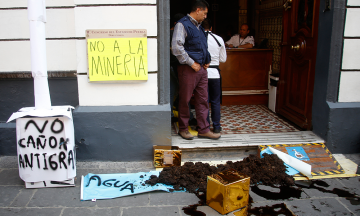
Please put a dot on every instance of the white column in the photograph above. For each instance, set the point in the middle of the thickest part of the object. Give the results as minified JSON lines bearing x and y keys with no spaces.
{"x":37,"y":19}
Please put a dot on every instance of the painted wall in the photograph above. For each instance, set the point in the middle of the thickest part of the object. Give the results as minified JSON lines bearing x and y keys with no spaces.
{"x":121,"y":117}
{"x":66,"y":44}
{"x":336,"y":107}
{"x":119,"y":16}
{"x":350,"y":68}
{"x":120,"y":133}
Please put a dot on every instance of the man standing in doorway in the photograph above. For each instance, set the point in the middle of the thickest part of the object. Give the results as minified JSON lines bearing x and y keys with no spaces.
{"x":242,"y":40}
{"x":216,"y":48}
{"x":189,"y":45}
{"x":174,"y":82}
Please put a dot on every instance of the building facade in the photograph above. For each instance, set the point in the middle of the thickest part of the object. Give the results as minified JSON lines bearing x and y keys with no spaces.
{"x":122,"y":121}
{"x":336,"y":107}
{"x":116,"y":121}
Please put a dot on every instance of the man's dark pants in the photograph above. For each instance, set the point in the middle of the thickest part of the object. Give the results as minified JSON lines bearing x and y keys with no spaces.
{"x":191,"y":82}
{"x":173,"y":87}
{"x":214,"y":99}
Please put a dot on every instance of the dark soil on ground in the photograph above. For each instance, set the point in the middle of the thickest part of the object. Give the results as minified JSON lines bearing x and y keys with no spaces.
{"x":228,"y":176}
{"x":269,"y":170}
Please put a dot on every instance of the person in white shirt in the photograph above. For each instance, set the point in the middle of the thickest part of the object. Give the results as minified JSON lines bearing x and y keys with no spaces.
{"x":242,"y":40}
{"x":216,"y":48}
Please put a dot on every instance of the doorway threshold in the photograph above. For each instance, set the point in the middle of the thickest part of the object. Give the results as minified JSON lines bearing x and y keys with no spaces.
{"x":247,"y":140}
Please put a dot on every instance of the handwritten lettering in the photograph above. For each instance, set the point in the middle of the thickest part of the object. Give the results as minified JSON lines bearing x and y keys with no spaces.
{"x":38,"y":146}
{"x":37,"y":127}
{"x":111,"y":183}
{"x":60,"y":162}
{"x":117,"y":58}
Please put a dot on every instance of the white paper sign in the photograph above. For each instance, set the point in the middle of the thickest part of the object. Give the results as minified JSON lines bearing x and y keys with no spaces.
{"x":45,"y":148}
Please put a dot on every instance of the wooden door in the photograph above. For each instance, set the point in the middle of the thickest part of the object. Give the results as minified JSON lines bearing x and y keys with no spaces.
{"x":296,"y":84}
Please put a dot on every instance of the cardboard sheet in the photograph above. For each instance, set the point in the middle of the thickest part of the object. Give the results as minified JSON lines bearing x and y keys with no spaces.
{"x":45,"y":144}
{"x":31,"y":111}
{"x":45,"y":149}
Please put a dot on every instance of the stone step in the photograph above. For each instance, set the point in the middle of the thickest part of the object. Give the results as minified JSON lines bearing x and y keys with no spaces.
{"x":217,"y":156}
{"x":235,"y":147}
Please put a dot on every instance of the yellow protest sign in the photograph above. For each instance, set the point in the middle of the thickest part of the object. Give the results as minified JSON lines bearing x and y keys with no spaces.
{"x":122,"y":56}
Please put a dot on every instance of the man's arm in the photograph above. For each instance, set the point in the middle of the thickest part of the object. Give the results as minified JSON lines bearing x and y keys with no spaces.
{"x":249,"y":43}
{"x":177,"y":45}
{"x":230,"y":43}
{"x":208,"y":57}
{"x":208,"y":60}
{"x":222,"y":56}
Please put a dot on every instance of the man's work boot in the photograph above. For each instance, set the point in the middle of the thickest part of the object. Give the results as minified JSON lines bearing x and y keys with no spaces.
{"x":209,"y":135}
{"x":186,"y":135}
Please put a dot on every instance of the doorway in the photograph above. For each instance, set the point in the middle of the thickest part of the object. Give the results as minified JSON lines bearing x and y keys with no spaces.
{"x":220,"y":12}
{"x":297,"y":75}
{"x":282,"y":28}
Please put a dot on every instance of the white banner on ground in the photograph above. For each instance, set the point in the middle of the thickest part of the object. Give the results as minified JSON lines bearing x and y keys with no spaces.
{"x":108,"y":186}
